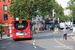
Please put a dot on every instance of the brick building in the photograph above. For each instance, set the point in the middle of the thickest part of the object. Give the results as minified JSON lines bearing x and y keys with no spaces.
{"x":4,"y":6}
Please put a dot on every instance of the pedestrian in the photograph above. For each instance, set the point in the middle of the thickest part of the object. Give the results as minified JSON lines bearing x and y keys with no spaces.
{"x":50,"y":27}
{"x":74,"y":30}
{"x":55,"y":29}
{"x":64,"y":33}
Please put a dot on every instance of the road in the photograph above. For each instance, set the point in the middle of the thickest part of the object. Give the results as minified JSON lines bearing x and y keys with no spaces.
{"x":44,"y":40}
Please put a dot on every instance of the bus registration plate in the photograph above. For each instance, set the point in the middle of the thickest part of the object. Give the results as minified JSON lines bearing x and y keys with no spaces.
{"x":22,"y":36}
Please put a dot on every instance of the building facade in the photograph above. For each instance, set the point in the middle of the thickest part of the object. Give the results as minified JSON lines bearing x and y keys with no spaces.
{"x":4,"y":6}
{"x":4,"y":16}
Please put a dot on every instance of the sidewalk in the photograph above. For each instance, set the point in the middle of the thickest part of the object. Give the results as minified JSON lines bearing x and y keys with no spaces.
{"x":5,"y":37}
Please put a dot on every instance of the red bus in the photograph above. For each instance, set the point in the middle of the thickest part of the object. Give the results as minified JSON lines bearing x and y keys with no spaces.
{"x":22,"y":29}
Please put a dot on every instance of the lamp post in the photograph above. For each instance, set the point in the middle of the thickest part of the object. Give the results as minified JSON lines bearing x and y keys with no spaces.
{"x":16,"y":18}
{"x":1,"y":28}
{"x":17,"y":8}
{"x":70,"y":11}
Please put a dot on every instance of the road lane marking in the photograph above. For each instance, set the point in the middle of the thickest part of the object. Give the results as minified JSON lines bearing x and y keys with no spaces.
{"x":35,"y":47}
{"x":62,"y":44}
{"x":40,"y":37}
{"x":34,"y":41}
{"x":34,"y":44}
{"x":73,"y":37}
{"x":66,"y":40}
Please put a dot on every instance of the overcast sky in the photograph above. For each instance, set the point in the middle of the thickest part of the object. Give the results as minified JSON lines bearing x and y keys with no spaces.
{"x":63,"y":3}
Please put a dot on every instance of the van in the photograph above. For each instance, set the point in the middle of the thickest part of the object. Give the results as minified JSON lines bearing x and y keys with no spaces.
{"x":62,"y":25}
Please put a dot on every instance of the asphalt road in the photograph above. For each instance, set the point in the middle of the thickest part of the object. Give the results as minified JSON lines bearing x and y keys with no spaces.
{"x":44,"y":40}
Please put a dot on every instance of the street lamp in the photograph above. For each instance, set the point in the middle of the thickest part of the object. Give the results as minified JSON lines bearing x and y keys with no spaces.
{"x":70,"y":11}
{"x":70,"y":14}
{"x":1,"y":27}
{"x":16,"y":18}
{"x":17,"y":8}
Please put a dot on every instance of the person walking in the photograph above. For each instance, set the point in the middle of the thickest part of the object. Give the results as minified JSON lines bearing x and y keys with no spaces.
{"x":50,"y":27}
{"x":74,"y":30}
{"x":64,"y":33}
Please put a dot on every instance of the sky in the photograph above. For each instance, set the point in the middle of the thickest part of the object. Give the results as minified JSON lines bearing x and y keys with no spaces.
{"x":63,"y":3}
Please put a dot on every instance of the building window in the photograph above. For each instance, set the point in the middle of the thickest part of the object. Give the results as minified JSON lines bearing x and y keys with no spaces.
{"x":5,"y":7}
{"x":3,"y":0}
{"x":5,"y":16}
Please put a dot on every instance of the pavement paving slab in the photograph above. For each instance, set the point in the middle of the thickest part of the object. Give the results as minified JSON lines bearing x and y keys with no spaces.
{"x":4,"y":37}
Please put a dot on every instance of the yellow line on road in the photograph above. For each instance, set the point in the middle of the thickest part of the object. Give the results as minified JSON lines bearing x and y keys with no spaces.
{"x":62,"y":44}
{"x":73,"y":37}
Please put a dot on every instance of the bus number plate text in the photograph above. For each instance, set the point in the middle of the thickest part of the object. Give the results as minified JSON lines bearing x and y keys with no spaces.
{"x":21,"y":36}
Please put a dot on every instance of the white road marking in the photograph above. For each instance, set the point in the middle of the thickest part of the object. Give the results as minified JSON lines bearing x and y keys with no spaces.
{"x":34,"y":40}
{"x":40,"y":37}
{"x":35,"y":47}
{"x":33,"y":43}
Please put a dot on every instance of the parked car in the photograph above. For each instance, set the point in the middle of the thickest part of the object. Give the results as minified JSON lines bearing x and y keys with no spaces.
{"x":62,"y":25}
{"x":71,"y":27}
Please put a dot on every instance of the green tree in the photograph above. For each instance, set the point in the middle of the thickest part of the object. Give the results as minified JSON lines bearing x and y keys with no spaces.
{"x":71,"y":6}
{"x":26,"y":9}
{"x":59,"y":12}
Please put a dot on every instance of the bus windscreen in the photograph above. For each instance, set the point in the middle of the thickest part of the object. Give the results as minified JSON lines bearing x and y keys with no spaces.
{"x":20,"y":25}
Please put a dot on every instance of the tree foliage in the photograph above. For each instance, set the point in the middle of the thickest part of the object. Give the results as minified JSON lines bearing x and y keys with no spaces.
{"x":71,"y":6}
{"x":59,"y":12}
{"x":28,"y":8}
